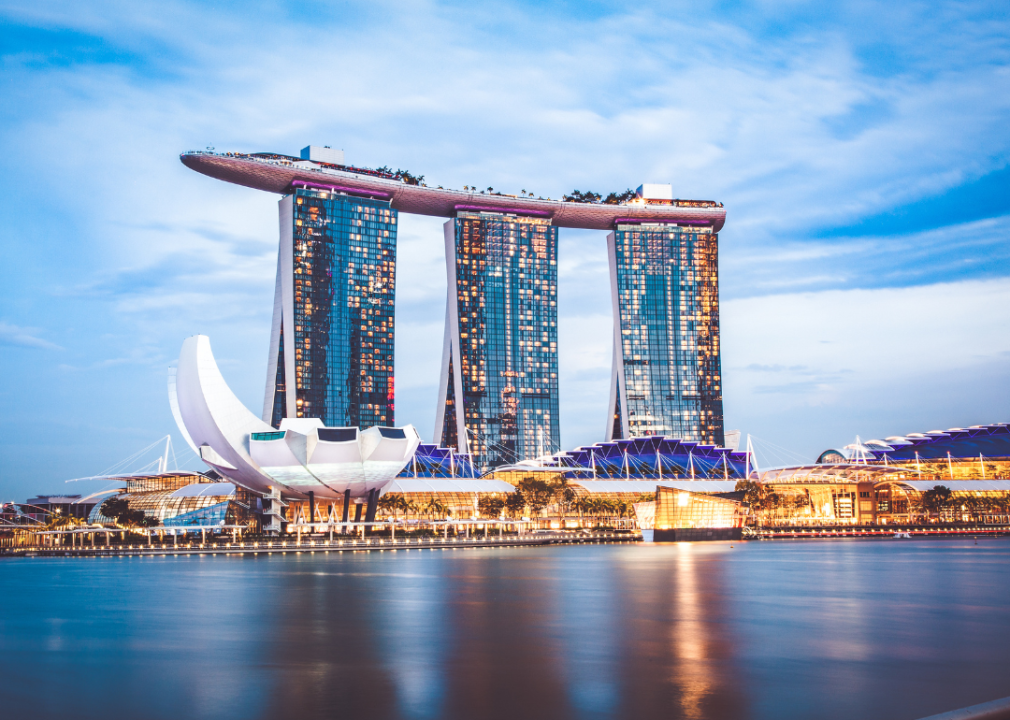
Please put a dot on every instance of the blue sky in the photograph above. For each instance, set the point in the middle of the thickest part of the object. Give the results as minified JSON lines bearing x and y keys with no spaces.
{"x":861,"y":151}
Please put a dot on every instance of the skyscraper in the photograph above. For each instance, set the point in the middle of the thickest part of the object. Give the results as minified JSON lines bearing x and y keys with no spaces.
{"x":666,"y":369}
{"x":332,"y":341}
{"x":499,"y":381}
{"x":331,"y":345}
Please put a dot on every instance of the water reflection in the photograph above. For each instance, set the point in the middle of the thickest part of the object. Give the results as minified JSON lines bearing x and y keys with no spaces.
{"x":506,"y":634}
{"x":765,"y":630}
{"x":680,"y":659}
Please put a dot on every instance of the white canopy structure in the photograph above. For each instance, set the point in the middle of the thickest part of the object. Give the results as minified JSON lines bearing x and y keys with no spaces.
{"x":303,"y":456}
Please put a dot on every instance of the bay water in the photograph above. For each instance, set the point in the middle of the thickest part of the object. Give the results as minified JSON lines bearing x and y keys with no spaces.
{"x":846,"y":629}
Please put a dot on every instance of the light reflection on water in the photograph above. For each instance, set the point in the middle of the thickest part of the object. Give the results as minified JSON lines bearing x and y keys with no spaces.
{"x":834,"y":629}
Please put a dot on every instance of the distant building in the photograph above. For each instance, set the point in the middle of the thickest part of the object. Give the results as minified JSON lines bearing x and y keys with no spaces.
{"x":499,"y":379}
{"x":979,"y":452}
{"x":667,"y":377}
{"x":76,"y":506}
{"x":331,"y":344}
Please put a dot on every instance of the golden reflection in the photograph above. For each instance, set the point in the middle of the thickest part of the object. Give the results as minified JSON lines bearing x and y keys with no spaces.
{"x":689,"y":635}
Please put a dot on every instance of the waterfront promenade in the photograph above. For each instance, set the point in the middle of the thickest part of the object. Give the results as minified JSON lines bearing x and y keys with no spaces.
{"x":876,"y":531}
{"x":268,"y":546}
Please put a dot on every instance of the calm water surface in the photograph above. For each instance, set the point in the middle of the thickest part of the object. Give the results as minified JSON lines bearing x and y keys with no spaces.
{"x":830,"y":629}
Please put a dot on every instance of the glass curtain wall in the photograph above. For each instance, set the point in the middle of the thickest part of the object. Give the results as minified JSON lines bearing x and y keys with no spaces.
{"x":667,"y":377}
{"x":342,"y":291}
{"x":502,"y":362}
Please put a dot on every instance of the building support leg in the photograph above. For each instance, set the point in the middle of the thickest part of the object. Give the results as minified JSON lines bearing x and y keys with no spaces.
{"x":373,"y":501}
{"x":312,"y":508}
{"x":347,"y":510}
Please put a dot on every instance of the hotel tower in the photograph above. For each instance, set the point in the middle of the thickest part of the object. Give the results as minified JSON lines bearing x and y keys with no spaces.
{"x":331,"y":344}
{"x":499,"y":381}
{"x":664,"y":283}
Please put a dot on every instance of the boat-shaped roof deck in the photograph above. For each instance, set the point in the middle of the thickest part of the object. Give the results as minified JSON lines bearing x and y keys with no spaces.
{"x":280,"y":173}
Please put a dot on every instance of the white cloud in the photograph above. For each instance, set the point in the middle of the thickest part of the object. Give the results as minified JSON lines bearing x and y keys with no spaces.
{"x":808,"y":369}
{"x":24,"y":336}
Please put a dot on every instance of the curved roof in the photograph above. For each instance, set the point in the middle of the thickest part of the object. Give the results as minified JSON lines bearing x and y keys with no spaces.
{"x":990,"y":441}
{"x":827,"y":473}
{"x":205,"y":490}
{"x":649,"y":486}
{"x":445,"y":485}
{"x":958,"y":485}
{"x":278,"y":175}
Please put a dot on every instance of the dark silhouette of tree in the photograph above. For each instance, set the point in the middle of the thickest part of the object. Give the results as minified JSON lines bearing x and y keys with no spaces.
{"x":589,"y":196}
{"x":618,"y":198}
{"x":937,"y":499}
{"x":118,"y":510}
{"x":536,"y":492}
{"x":515,"y":503}
{"x":490,"y":506}
{"x":582,"y":197}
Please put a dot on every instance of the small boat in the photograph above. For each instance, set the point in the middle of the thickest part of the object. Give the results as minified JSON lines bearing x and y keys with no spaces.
{"x":902,"y":536}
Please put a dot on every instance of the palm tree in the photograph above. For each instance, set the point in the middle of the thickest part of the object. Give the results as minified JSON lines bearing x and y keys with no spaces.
{"x":435,"y":507}
{"x":408,"y":506}
{"x":390,"y":503}
{"x":58,"y":521}
{"x":563,"y":494}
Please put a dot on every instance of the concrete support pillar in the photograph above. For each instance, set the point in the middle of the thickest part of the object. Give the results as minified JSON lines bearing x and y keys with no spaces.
{"x":312,"y":507}
{"x":373,"y":503}
{"x":347,"y":509}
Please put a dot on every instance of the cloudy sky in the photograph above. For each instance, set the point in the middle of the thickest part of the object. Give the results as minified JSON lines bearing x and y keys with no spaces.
{"x":860,"y":148}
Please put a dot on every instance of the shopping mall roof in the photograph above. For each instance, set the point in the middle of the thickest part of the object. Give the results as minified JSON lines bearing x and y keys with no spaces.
{"x":642,"y":487}
{"x":279,"y":173}
{"x":205,"y":490}
{"x":827,"y":473}
{"x":990,"y":441}
{"x":447,"y":485}
{"x":959,"y":485}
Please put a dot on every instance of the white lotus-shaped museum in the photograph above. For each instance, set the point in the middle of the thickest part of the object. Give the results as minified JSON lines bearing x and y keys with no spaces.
{"x":303,"y":456}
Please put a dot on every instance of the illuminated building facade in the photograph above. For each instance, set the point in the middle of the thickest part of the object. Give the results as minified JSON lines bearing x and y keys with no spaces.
{"x":666,"y":379}
{"x":684,"y":515}
{"x":331,"y":347}
{"x":499,"y":380}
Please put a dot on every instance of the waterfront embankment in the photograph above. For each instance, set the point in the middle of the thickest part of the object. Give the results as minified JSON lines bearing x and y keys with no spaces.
{"x":877,"y":531}
{"x":267,"y":546}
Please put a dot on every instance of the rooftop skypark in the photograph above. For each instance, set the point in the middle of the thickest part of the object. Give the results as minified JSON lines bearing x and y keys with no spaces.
{"x":407,"y":192}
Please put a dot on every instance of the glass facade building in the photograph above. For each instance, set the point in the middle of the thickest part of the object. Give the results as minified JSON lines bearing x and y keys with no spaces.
{"x":499,"y":382}
{"x":331,"y":351}
{"x":667,"y":377}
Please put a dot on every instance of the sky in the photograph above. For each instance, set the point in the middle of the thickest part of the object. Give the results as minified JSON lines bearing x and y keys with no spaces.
{"x":861,"y":150}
